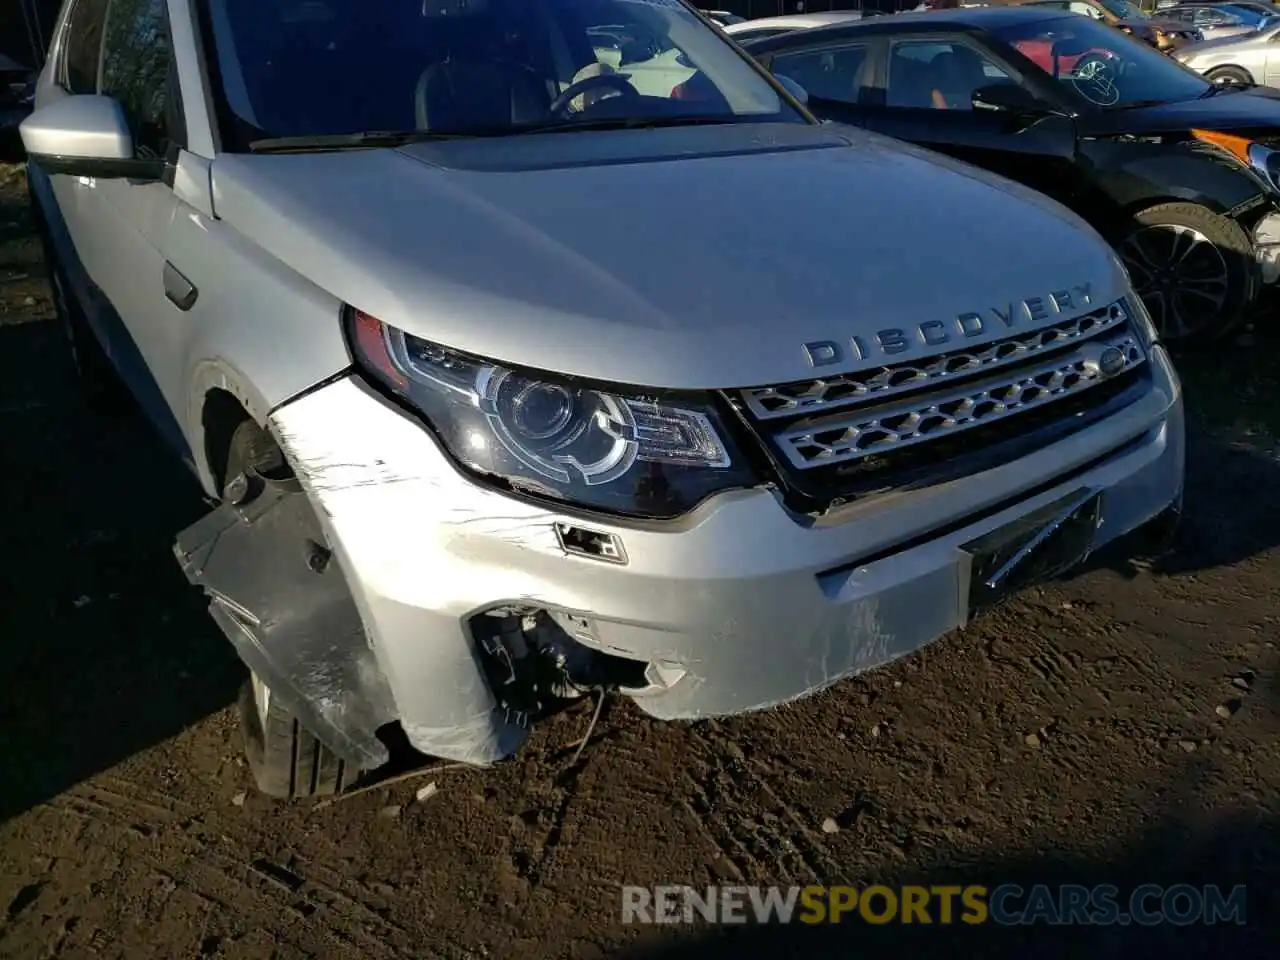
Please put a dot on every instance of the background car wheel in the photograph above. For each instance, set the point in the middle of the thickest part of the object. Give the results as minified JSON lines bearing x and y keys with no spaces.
{"x":1193,"y":269}
{"x":1229,"y":75}
{"x":286,"y":759}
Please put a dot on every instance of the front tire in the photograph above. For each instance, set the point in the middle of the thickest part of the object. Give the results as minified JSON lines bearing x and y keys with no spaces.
{"x":1229,"y":75}
{"x":288,"y":762}
{"x":1194,"y":270}
{"x":286,"y":759}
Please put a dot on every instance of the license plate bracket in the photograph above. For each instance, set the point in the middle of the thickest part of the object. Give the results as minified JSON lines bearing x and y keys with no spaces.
{"x":1032,"y":549}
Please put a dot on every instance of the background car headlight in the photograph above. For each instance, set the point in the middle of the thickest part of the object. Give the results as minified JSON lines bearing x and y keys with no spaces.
{"x":653,"y":456}
{"x":1261,"y":159}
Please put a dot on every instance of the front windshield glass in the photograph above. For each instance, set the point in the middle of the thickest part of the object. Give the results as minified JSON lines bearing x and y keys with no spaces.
{"x":1124,"y":9}
{"x":1242,"y":15}
{"x":1100,"y":65}
{"x":315,"y":68}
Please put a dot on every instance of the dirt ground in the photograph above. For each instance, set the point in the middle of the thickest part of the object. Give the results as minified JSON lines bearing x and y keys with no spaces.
{"x":1073,"y":736}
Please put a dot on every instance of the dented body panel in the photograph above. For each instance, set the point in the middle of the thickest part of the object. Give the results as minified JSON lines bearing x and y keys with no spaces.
{"x":737,"y":607}
{"x":289,"y":614}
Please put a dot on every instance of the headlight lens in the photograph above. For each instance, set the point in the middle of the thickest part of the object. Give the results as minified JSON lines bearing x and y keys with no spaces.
{"x":649,"y":456}
{"x":1266,"y":162}
{"x":1263,"y":160}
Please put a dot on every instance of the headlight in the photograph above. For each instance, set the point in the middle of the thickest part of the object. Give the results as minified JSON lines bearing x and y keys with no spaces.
{"x":1261,"y":159}
{"x":654,"y":456}
{"x":1142,"y":322}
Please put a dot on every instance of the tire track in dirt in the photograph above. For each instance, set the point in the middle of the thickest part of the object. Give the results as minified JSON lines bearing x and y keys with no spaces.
{"x":773,"y":839}
{"x":219,"y":870}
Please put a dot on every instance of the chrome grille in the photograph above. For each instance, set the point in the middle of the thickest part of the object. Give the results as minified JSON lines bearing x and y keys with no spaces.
{"x":997,"y":392}
{"x":817,"y":396}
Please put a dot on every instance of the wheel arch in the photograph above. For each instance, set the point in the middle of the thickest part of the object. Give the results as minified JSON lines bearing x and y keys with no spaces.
{"x":220,"y":402}
{"x":1210,"y":180}
{"x":1230,"y":66}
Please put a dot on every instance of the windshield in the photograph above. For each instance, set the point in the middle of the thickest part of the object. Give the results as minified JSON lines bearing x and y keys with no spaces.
{"x":1124,"y":10}
{"x":326,"y":68}
{"x":1242,"y":15}
{"x":1099,"y":64}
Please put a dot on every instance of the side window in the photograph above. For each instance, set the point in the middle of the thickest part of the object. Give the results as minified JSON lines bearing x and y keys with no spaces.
{"x":83,"y":46}
{"x":933,"y":75}
{"x":136,"y":70}
{"x":831,"y":74}
{"x":1211,"y":17}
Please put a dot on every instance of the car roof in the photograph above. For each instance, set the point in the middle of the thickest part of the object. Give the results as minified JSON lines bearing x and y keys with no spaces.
{"x":953,"y":20}
{"x":801,"y":20}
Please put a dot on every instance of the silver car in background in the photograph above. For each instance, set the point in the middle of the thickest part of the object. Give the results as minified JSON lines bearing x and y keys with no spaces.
{"x":1217,"y":21}
{"x":763,"y":27}
{"x":1251,"y":58}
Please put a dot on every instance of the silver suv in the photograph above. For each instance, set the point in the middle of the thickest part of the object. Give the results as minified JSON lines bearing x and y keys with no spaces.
{"x":517,"y":384}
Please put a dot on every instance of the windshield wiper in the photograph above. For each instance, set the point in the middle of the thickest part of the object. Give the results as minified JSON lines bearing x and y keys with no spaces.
{"x":364,"y":141}
{"x":398,"y":138}
{"x":621,"y":123}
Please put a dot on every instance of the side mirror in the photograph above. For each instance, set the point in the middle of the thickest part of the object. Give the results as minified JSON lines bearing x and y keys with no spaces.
{"x":85,"y":136}
{"x":793,"y":88}
{"x":1009,"y":98}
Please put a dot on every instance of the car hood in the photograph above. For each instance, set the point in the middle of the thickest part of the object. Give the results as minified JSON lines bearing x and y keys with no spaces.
{"x":691,"y":257}
{"x":1252,"y":108}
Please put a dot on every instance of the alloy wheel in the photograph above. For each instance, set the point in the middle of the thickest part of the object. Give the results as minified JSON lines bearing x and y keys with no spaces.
{"x":1181,"y":276}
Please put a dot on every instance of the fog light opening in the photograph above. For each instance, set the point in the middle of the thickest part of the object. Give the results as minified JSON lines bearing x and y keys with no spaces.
{"x":581,"y":542}
{"x":535,"y":668}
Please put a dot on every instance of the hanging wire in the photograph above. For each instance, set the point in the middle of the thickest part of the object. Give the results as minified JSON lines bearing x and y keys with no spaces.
{"x":591,"y":727}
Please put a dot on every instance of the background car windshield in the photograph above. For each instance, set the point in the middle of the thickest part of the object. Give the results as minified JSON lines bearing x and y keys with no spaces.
{"x":291,"y":68}
{"x":1243,"y":15}
{"x":1101,"y":65}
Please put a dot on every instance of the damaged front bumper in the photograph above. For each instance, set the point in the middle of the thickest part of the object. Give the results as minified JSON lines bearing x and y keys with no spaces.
{"x":1266,"y":247}
{"x":738,"y":606}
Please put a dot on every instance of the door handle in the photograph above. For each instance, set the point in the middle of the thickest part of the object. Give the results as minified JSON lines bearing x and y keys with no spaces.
{"x":182,"y":293}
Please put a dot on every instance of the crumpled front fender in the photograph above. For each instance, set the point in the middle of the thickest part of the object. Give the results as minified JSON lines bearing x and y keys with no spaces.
{"x":281,"y":598}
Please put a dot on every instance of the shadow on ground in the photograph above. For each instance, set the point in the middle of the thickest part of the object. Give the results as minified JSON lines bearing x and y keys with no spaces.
{"x":1232,"y":394}
{"x":107,"y":650}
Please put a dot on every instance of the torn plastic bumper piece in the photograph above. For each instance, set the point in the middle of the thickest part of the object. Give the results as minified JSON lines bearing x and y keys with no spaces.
{"x":282,"y":601}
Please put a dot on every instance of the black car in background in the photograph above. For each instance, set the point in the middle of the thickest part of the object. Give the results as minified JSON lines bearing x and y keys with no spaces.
{"x":1182,"y":175}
